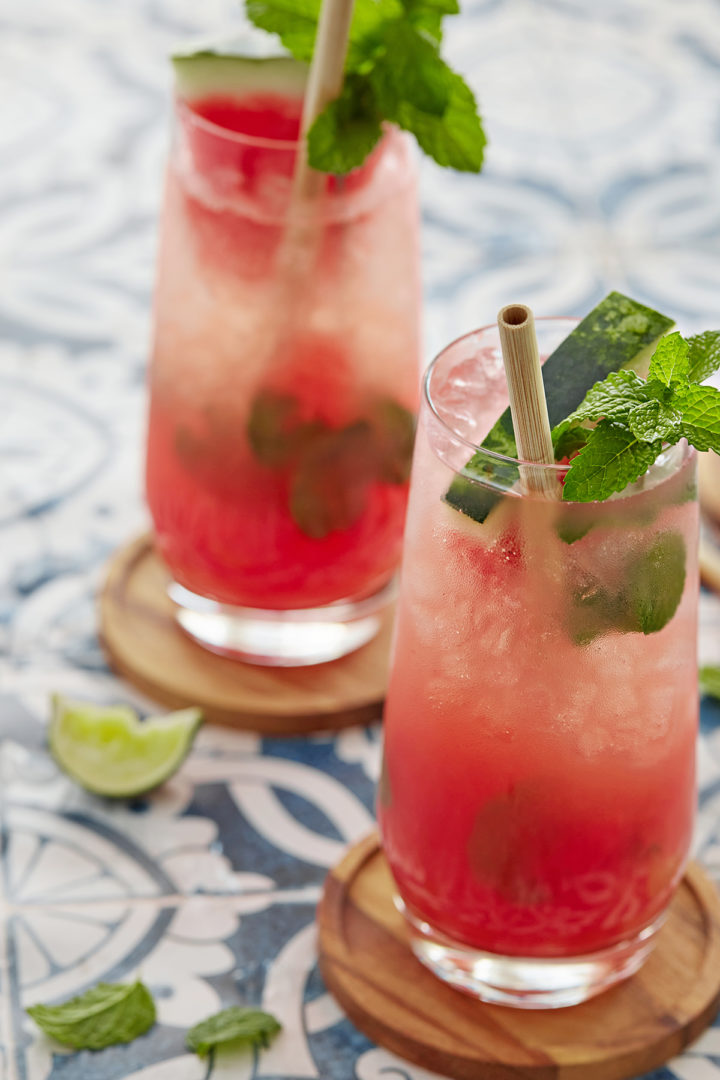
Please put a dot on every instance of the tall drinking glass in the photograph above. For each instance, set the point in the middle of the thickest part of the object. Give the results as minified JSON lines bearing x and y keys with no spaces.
{"x":537,"y":794}
{"x":284,"y":384}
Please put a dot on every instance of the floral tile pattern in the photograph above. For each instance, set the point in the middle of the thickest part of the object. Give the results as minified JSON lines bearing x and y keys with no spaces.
{"x":602,"y":172}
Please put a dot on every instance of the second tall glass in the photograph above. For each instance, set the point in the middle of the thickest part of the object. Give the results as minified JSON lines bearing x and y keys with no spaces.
{"x":537,"y":795}
{"x":284,"y":385}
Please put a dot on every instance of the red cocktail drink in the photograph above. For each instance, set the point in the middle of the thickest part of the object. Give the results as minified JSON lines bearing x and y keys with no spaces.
{"x":538,"y":790}
{"x":284,"y":377}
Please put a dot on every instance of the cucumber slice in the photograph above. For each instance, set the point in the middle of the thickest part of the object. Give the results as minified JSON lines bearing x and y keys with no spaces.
{"x":240,"y":69}
{"x":618,"y":333}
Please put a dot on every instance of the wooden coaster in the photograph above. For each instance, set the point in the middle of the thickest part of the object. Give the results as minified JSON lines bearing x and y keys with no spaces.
{"x":366,"y":961}
{"x":145,"y":645}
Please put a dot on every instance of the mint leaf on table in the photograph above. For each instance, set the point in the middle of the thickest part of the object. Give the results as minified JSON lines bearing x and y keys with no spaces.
{"x":704,"y":355}
{"x":103,"y":1016}
{"x":611,"y":459}
{"x":251,"y":1027}
{"x":710,"y":681}
{"x":394,"y":72}
{"x":701,"y":417}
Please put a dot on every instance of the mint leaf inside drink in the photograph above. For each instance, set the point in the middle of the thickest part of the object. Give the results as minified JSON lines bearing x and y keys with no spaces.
{"x":393,"y":72}
{"x":655,"y":583}
{"x":235,"y":1025}
{"x":329,"y":471}
{"x":103,"y":1016}
{"x":651,"y":587}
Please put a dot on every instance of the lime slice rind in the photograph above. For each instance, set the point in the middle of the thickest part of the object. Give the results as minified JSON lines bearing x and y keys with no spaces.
{"x":109,"y":751}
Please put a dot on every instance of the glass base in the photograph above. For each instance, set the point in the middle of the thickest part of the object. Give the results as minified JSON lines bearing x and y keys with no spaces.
{"x":532,"y":982}
{"x":293,"y":638}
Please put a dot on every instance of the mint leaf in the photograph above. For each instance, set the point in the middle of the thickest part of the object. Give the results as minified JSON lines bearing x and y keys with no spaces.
{"x":656,"y":579}
{"x":104,"y":1016}
{"x":410,"y":72}
{"x":568,"y":438}
{"x":427,"y":15}
{"x":700,"y":406}
{"x":710,"y":681}
{"x":237,"y":1025}
{"x":295,"y":22}
{"x":653,"y":421}
{"x":612,"y":458}
{"x":594,"y":610}
{"x":614,"y":397}
{"x":652,"y":587}
{"x":704,"y":355}
{"x":394,"y":433}
{"x":271,"y":426}
{"x":670,"y":363}
{"x":455,"y":140}
{"x":442,"y":7}
{"x":395,"y":45}
{"x":330,"y":488}
{"x":347,"y":130}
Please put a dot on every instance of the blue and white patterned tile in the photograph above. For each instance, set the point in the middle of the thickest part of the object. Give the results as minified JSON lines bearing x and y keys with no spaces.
{"x":602,"y":172}
{"x":238,"y":817}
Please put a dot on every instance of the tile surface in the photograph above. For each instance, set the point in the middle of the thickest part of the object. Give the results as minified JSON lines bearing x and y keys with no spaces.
{"x":603,"y":172}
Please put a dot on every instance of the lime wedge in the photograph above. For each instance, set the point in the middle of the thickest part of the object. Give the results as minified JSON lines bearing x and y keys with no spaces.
{"x":108,"y":750}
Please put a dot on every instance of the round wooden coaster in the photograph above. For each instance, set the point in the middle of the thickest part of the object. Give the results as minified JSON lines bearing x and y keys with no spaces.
{"x":145,"y":645}
{"x":367,"y":964}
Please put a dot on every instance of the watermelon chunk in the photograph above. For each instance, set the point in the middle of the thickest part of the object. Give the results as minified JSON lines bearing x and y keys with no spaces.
{"x":254,"y":88}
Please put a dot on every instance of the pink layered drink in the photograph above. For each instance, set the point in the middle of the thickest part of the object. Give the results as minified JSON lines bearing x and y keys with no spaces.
{"x":538,"y":783}
{"x":282,"y":402}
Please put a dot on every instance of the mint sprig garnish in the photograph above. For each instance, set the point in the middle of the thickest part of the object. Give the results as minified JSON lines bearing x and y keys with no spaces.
{"x":103,"y":1016}
{"x":237,"y":1025}
{"x":636,"y":419}
{"x":393,"y":72}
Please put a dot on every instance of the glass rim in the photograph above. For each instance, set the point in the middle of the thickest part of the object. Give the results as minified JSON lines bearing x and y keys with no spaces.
{"x":186,"y":112}
{"x":502,"y":459}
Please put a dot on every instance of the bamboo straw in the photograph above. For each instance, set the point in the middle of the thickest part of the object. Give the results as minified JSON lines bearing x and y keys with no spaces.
{"x":325,"y":83}
{"x":527,"y":399}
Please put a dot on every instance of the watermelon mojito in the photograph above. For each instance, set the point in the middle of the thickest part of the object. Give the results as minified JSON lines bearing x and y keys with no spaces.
{"x":284,"y":377}
{"x":537,"y":794}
